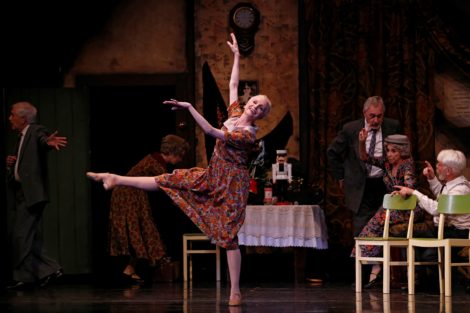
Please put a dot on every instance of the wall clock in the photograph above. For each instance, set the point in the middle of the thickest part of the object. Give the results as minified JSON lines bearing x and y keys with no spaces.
{"x":244,"y":19}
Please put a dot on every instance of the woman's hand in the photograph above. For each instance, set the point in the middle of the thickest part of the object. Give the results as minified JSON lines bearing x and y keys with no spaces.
{"x":177,"y":105}
{"x":233,"y":45}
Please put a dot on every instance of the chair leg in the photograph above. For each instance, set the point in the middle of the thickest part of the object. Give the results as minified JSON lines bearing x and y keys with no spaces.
{"x":448,"y":271}
{"x":217,"y":263}
{"x":358,"y":269}
{"x":190,"y":262}
{"x":440,"y":258}
{"x":185,"y":259}
{"x":386,"y":269}
{"x":411,"y":270}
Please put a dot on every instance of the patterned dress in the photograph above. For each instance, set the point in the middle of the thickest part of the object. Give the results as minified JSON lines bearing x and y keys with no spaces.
{"x":215,"y":198}
{"x":405,"y":177}
{"x":132,"y":230}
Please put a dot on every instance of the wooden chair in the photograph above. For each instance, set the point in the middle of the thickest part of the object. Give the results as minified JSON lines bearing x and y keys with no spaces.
{"x":447,"y":204}
{"x":188,"y":251}
{"x":386,"y":242}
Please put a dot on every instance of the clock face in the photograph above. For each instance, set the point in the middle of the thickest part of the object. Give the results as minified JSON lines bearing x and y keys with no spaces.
{"x":244,"y":17}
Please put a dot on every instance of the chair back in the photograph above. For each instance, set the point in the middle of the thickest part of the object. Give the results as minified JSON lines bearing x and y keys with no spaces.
{"x":451,"y":204}
{"x":396,"y":202}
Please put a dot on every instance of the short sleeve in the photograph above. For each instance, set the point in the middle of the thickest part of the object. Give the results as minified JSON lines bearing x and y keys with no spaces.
{"x":234,"y":110}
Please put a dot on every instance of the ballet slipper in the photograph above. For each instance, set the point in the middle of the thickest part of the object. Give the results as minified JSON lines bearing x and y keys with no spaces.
{"x":94,"y":176}
{"x":235,"y":299}
{"x":107,"y":179}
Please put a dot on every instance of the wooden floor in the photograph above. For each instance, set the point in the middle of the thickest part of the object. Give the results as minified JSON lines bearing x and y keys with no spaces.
{"x":207,"y":297}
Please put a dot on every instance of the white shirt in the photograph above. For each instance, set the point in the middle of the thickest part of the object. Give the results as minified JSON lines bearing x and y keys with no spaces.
{"x":23,"y":132}
{"x":457,"y":186}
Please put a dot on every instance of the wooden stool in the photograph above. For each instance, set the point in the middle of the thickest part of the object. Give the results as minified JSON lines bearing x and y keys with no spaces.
{"x":188,"y":252}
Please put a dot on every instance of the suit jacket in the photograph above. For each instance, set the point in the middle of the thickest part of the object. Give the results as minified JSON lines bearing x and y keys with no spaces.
{"x":345,"y":163}
{"x":32,"y":166}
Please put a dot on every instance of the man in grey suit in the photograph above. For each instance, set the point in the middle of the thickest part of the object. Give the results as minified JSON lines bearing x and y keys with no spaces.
{"x":27,"y":181}
{"x":362,"y":185}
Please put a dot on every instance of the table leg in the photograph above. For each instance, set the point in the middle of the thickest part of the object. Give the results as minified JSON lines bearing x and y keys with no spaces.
{"x":299,"y":264}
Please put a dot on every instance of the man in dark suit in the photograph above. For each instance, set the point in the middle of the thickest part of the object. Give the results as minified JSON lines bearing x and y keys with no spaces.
{"x":27,"y":181}
{"x":363,"y":186}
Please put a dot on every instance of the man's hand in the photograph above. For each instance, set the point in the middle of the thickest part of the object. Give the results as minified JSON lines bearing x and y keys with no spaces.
{"x":11,"y":159}
{"x":363,"y":135}
{"x":428,"y":171}
{"x":404,"y":192}
{"x":341,"y":184}
{"x":56,"y":141}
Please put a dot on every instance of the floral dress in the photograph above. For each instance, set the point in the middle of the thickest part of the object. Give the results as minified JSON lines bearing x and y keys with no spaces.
{"x":132,"y":230}
{"x":405,"y":177}
{"x":215,"y":198}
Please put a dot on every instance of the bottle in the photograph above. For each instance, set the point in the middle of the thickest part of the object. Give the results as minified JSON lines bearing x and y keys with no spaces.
{"x":268,"y":193}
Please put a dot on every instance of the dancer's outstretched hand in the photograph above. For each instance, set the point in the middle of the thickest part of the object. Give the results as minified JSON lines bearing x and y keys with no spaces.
{"x":108,"y":180}
{"x":177,"y":104}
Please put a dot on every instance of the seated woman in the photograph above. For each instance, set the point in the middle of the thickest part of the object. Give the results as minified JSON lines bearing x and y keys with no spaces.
{"x":398,"y":170}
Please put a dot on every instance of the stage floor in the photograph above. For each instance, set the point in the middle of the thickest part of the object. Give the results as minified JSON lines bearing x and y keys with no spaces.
{"x":212,"y":297}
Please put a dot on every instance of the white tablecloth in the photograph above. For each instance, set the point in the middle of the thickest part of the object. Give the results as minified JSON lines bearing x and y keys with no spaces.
{"x":284,"y":226}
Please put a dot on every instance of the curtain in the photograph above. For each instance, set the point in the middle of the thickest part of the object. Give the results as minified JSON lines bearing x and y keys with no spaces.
{"x":357,"y":49}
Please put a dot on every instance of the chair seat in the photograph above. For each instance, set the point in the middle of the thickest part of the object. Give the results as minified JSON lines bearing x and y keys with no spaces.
{"x":381,"y":239}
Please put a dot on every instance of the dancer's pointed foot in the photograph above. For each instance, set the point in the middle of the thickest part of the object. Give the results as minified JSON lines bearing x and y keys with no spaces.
{"x":108,"y":180}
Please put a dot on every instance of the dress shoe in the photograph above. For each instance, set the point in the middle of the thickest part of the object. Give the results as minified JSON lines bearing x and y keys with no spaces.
{"x":131,"y":279}
{"x":20,"y":285}
{"x":16,"y":285}
{"x":377,"y":282}
{"x":45,"y":281}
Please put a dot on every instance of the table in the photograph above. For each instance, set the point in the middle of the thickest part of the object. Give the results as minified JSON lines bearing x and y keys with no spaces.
{"x":284,"y":226}
{"x":300,"y":226}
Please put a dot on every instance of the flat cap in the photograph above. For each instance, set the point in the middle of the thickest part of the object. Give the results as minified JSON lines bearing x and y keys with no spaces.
{"x":397,"y":139}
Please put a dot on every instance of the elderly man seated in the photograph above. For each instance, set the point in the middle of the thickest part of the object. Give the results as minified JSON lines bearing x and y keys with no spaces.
{"x":449,"y":181}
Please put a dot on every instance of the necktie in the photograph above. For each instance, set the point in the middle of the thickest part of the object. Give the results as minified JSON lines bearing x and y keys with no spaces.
{"x":442,"y":188}
{"x":371,"y":148}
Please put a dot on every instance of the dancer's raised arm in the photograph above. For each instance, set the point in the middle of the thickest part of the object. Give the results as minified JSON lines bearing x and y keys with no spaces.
{"x":200,"y":120}
{"x":234,"y":77}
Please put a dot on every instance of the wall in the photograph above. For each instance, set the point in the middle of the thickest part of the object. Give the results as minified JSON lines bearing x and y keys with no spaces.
{"x":144,"y":37}
{"x":273,"y":63}
{"x":148,"y":37}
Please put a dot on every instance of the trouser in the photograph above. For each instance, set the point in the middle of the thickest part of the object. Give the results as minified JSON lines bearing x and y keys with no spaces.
{"x":29,"y":261}
{"x":371,"y":201}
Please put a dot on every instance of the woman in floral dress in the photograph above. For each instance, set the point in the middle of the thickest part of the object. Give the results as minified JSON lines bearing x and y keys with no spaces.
{"x":399,"y":170}
{"x":214,"y":198}
{"x":132,"y":230}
